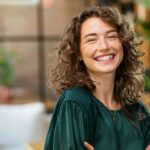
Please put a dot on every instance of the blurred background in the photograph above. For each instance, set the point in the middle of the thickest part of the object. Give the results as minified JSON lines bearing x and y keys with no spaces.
{"x":29,"y":35}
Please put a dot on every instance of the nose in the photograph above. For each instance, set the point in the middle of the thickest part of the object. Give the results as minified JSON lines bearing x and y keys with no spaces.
{"x":102,"y":44}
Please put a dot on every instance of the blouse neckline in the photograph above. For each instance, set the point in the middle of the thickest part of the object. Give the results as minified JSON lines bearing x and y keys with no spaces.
{"x":99,"y":102}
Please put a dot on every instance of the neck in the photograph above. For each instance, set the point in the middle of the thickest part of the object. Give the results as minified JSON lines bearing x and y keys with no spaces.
{"x":104,"y":91}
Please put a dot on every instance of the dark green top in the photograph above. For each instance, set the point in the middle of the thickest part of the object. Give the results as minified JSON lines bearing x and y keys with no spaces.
{"x":80,"y":117}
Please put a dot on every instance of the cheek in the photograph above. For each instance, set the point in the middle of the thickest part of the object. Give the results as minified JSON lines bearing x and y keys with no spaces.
{"x":86,"y":51}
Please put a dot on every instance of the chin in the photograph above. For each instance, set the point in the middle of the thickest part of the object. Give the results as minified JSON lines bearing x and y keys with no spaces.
{"x":108,"y":70}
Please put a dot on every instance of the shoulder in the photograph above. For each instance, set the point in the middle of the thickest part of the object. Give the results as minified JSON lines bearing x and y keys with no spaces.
{"x":143,"y":110}
{"x":77,"y":92}
{"x":139,"y":109}
{"x":78,"y":95}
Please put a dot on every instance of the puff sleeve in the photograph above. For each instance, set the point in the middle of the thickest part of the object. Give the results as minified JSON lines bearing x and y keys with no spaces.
{"x":68,"y":127}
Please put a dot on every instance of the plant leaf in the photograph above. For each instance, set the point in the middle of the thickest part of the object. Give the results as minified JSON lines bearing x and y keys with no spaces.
{"x":146,"y":3}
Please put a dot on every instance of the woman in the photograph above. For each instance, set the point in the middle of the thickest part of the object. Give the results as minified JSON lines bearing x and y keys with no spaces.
{"x":99,"y":77}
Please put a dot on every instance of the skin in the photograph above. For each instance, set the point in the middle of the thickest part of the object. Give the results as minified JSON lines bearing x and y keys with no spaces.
{"x":99,"y":41}
{"x":88,"y":146}
{"x":148,"y":147}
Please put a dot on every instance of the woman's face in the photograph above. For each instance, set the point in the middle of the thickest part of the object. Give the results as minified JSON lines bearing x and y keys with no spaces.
{"x":100,"y":47}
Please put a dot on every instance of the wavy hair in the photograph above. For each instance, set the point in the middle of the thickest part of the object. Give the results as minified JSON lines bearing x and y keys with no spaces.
{"x":71,"y":71}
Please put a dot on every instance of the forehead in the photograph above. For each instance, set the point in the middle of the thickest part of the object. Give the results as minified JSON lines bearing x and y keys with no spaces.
{"x":96,"y":24}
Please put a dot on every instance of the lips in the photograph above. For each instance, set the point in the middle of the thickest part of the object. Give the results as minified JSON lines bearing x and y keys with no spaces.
{"x":105,"y":58}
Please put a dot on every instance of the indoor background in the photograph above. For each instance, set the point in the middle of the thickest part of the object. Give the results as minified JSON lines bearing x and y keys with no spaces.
{"x":30,"y":31}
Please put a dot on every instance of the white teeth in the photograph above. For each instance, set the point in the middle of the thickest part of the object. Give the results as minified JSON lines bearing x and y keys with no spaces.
{"x":105,"y":58}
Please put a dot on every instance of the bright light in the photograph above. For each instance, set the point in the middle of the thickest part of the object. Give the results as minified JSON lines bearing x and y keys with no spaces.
{"x":19,"y":2}
{"x":141,"y":12}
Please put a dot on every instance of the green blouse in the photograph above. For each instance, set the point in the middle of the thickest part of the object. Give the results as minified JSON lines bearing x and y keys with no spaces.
{"x":80,"y":117}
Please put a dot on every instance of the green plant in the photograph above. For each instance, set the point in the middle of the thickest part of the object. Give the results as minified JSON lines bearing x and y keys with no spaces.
{"x":145,"y":25}
{"x":146,"y":3}
{"x":147,"y":81}
{"x":6,"y":67}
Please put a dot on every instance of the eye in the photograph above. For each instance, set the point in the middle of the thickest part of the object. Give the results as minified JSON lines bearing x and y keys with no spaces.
{"x":112,"y":36}
{"x":91,"y":40}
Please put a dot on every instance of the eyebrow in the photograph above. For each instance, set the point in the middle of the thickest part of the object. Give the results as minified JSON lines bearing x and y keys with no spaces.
{"x":95,"y":34}
{"x":90,"y":34}
{"x":113,"y":30}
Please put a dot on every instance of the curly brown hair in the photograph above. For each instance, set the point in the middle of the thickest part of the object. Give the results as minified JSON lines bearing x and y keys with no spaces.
{"x":71,"y":71}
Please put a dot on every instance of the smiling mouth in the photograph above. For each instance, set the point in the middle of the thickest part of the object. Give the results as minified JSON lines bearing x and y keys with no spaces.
{"x":105,"y":58}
